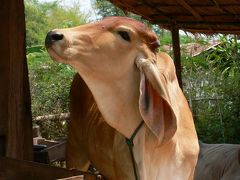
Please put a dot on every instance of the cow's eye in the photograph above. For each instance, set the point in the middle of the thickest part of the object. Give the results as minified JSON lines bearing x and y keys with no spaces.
{"x":124,"y":35}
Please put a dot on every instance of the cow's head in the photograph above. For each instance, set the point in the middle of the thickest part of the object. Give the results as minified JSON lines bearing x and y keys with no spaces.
{"x":111,"y":53}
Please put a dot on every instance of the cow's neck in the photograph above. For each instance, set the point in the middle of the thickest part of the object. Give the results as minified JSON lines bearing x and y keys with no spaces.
{"x":154,"y":161}
{"x":118,"y":103}
{"x":117,"y":100}
{"x":166,"y":161}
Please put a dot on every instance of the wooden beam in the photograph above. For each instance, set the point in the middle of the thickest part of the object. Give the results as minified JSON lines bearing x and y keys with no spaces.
{"x":190,"y":9}
{"x":147,"y":3}
{"x":207,"y":31}
{"x":13,"y":169}
{"x":15,"y":108}
{"x":139,"y":4}
{"x":52,"y":117}
{"x":171,"y":6}
{"x":73,"y":178}
{"x":177,"y":53}
{"x":200,"y":23}
{"x":209,"y":18}
{"x":217,"y":5}
{"x":224,"y":10}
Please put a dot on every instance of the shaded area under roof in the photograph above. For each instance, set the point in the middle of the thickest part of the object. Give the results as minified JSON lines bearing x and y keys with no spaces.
{"x":201,"y":16}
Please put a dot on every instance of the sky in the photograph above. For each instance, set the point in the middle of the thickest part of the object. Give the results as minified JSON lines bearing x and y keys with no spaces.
{"x":85,"y":6}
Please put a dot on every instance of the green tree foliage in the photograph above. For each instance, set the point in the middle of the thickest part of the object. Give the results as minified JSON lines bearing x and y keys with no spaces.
{"x":49,"y":81}
{"x":212,"y":87}
{"x":105,"y":8}
{"x":211,"y":80}
{"x":43,"y":17}
{"x":50,"y":84}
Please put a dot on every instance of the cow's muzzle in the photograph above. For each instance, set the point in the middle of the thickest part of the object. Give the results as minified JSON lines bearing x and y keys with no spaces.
{"x":52,"y":37}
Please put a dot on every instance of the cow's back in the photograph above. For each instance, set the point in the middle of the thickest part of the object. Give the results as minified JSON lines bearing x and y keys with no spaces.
{"x":218,"y":162}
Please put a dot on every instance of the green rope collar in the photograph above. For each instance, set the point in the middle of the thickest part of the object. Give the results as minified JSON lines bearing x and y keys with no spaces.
{"x":130,"y":146}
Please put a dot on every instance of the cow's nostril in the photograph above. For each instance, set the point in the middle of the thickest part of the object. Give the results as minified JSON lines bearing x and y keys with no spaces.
{"x":57,"y":36}
{"x":52,"y":37}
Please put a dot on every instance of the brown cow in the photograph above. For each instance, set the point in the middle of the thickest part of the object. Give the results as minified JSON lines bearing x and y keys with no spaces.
{"x":131,"y":83}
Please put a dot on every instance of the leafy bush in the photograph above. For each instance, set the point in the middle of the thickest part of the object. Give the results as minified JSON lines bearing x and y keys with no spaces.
{"x":211,"y":80}
{"x":42,"y":17}
{"x":49,"y":81}
{"x":212,"y":87}
{"x":50,"y":85}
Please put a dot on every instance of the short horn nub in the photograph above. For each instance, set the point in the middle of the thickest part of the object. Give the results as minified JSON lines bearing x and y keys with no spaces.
{"x":140,"y":62}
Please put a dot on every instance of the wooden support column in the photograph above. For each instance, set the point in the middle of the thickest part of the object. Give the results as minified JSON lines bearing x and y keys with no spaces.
{"x":177,"y":53}
{"x":4,"y":67}
{"x":15,"y":109}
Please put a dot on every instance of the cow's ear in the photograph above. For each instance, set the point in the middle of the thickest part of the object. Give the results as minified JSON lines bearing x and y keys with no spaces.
{"x":155,"y":104}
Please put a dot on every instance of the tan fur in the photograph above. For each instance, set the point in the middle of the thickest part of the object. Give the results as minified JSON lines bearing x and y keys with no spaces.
{"x":107,"y":108}
{"x":91,"y":139}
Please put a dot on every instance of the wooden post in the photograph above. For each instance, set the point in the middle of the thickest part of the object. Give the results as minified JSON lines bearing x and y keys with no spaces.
{"x":177,"y":53}
{"x":4,"y":66}
{"x":15,"y":109}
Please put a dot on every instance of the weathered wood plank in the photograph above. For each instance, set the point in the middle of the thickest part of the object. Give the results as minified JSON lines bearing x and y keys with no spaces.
{"x":73,"y":178}
{"x":51,"y":117}
{"x":4,"y":66}
{"x":12,"y":169}
{"x":15,"y":109}
{"x":57,"y":152}
{"x":19,"y":136}
{"x":43,"y":141}
{"x":177,"y":54}
{"x":190,"y":9}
